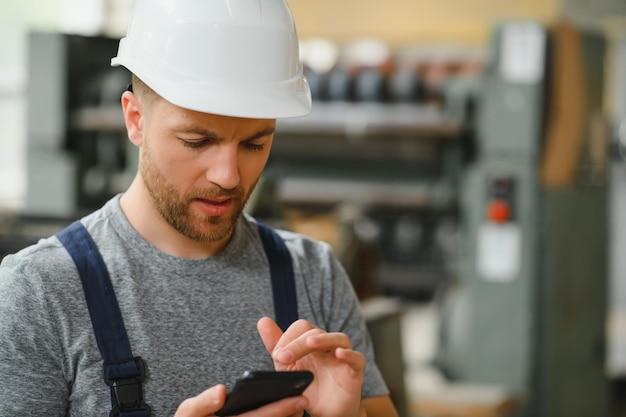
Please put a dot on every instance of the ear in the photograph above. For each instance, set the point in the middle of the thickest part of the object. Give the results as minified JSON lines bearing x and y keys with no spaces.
{"x":134,"y":118}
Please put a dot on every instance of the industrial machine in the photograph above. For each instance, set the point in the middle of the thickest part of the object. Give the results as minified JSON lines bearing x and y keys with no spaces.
{"x":390,"y":169}
{"x":616,"y":363}
{"x":77,"y":153}
{"x":387,"y":142}
{"x":528,"y":313}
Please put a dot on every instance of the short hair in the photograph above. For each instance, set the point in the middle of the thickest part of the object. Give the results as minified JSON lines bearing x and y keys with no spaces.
{"x":146,"y":94}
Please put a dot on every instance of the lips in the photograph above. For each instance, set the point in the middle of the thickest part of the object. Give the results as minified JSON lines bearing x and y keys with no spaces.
{"x":213,"y":207}
{"x":215,"y":201}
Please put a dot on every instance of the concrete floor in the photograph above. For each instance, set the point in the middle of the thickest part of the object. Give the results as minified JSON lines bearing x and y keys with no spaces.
{"x":419,"y":345}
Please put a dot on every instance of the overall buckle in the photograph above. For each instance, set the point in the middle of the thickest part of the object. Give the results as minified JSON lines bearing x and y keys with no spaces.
{"x":125,"y":377}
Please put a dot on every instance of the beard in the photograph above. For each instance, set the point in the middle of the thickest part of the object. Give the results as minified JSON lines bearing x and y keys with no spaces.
{"x":175,"y":208}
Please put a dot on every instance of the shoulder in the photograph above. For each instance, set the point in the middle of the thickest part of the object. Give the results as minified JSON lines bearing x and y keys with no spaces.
{"x":46,"y":256}
{"x":38,"y":286}
{"x":304,"y":250}
{"x":321,"y":280}
{"x":44,"y":268}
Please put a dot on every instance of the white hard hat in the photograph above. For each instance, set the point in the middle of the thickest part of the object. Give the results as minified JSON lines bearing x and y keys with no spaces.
{"x":229,"y":57}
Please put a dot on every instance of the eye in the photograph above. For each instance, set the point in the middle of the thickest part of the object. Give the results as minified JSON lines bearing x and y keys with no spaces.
{"x":254,"y":146}
{"x":194,"y":144}
{"x":195,"y":141}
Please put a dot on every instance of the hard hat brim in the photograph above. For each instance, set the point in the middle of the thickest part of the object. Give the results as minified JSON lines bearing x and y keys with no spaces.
{"x":281,"y":99}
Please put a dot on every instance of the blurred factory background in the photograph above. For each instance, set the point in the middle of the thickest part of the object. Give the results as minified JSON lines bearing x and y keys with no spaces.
{"x":464,"y":158}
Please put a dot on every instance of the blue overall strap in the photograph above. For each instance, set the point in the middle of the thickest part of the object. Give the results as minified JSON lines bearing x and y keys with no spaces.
{"x":283,"y":281}
{"x":122,"y":372}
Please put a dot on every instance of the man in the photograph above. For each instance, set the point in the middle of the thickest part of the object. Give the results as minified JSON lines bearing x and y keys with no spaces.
{"x":187,"y":266}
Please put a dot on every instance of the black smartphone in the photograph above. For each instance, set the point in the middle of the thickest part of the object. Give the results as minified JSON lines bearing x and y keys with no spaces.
{"x":257,"y":388}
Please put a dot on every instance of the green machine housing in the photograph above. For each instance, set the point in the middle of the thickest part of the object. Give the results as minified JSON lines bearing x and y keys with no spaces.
{"x":528,"y":311}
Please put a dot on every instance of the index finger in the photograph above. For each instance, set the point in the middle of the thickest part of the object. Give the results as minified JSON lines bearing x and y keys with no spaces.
{"x":270,"y":333}
{"x":314,"y":340}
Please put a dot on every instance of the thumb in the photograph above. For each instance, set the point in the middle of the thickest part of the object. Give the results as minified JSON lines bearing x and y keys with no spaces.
{"x":207,"y":403}
{"x":270,"y":333}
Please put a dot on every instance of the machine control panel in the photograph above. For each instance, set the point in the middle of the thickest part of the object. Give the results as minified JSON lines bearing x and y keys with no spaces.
{"x":500,"y":199}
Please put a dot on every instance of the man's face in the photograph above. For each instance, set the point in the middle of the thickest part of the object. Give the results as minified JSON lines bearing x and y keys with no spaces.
{"x":200,"y":169}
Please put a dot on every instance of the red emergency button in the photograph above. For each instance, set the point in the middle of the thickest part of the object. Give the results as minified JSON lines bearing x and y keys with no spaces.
{"x":498,"y":211}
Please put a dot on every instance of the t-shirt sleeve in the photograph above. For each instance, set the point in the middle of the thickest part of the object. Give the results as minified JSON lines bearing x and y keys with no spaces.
{"x":335,"y":307}
{"x":31,"y":370}
{"x":346,"y":317}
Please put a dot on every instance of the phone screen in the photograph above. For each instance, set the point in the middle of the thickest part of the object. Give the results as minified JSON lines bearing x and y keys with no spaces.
{"x":257,"y":388}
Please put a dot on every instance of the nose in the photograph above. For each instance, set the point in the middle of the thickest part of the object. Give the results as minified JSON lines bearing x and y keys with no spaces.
{"x":223,"y":167}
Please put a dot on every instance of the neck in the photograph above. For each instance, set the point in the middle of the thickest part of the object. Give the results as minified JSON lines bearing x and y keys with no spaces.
{"x":139,"y":209}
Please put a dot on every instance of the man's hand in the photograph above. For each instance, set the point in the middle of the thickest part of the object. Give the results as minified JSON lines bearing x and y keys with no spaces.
{"x":211,"y":400}
{"x":338,"y":370}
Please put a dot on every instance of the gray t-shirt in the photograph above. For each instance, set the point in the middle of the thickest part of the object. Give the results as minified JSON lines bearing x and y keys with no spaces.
{"x":192,"y":321}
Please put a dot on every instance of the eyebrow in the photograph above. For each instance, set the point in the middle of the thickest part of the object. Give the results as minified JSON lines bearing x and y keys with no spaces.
{"x":211,"y":135}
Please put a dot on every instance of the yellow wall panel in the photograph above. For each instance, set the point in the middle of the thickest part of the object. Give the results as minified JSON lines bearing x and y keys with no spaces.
{"x":401,"y":21}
